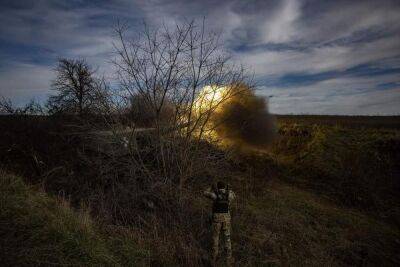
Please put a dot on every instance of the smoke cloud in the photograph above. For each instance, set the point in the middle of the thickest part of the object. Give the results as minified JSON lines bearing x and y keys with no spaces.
{"x":243,"y":119}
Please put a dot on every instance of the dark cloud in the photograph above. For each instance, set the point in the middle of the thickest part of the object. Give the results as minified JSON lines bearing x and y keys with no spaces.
{"x":243,"y":119}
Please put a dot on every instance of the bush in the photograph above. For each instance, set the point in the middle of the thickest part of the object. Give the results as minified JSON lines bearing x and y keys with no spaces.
{"x":144,"y":114}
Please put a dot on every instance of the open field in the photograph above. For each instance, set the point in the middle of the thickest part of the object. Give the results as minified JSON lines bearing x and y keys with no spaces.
{"x":358,"y":165}
{"x":324,"y":193}
{"x":383,"y":122}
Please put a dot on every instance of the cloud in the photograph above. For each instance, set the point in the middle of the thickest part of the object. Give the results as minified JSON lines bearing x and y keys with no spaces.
{"x":317,"y":42}
{"x":40,"y":32}
{"x":354,"y":95}
{"x":282,"y":26}
{"x":320,"y":58}
{"x":331,"y":22}
{"x":243,"y":120}
{"x":22,"y":82}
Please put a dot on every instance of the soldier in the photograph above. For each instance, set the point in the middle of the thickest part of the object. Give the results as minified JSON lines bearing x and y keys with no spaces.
{"x":221,"y":218}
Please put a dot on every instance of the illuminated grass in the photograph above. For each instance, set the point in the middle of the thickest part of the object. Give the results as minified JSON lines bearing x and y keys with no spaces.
{"x":36,"y":229}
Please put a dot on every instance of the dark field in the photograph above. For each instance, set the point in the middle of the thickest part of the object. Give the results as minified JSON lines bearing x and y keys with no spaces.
{"x":383,"y":122}
{"x":326,"y":192}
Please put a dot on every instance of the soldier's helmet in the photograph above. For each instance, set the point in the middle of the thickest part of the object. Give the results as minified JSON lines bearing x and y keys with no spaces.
{"x":221,"y":185}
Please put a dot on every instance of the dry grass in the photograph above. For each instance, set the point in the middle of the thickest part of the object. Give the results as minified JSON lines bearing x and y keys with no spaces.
{"x":39,"y":230}
{"x":282,"y":216}
{"x":357,"y":167}
{"x":288,"y":226}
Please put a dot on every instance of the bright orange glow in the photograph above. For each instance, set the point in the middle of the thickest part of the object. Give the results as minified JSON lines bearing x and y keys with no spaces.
{"x":209,"y":98}
{"x":208,"y":102}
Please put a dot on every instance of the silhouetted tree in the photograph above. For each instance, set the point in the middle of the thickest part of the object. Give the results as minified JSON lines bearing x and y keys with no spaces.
{"x":170,"y":67}
{"x":163,"y":72}
{"x":78,"y":91}
{"x":31,"y":108}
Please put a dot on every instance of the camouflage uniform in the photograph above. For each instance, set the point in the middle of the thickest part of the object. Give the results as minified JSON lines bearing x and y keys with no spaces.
{"x":221,"y":220}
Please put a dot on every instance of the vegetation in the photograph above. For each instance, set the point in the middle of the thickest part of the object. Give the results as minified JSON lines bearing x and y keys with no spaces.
{"x":288,"y":226}
{"x":31,"y":108}
{"x":359,"y":167}
{"x":325,"y":192}
{"x":39,"y":230}
{"x":358,"y":122}
{"x":298,"y":202}
{"x":78,"y":91}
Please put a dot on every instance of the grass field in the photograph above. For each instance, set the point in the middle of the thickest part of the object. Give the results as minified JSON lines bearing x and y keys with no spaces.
{"x":359,"y":166}
{"x":39,"y":230}
{"x":325,"y":193}
{"x":379,"y":122}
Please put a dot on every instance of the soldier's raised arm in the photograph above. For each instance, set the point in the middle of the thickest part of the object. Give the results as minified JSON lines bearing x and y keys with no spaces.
{"x":210,"y":194}
{"x":232,"y":195}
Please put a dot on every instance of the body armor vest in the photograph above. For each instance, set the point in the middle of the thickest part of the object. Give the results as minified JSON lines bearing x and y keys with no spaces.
{"x":221,"y":204}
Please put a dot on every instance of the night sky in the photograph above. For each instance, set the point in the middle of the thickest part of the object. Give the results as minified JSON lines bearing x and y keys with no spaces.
{"x":308,"y":56}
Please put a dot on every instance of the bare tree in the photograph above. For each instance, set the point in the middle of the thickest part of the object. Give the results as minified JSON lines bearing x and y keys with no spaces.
{"x":31,"y":108}
{"x":78,"y":91}
{"x":6,"y":106}
{"x":178,"y":76}
{"x":172,"y":66}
